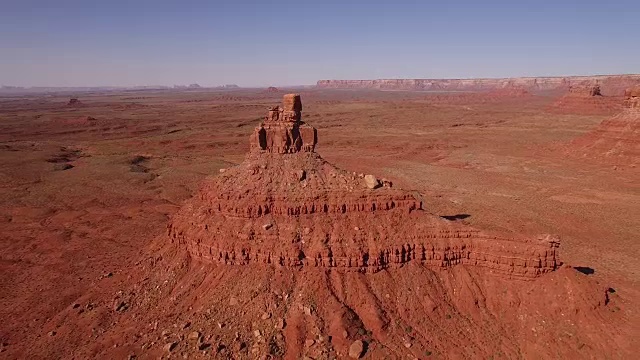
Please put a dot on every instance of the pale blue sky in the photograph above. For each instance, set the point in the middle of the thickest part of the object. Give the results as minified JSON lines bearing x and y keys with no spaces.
{"x":263,"y":43}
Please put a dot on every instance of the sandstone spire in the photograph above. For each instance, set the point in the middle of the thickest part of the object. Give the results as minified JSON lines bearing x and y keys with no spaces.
{"x":282,"y":131}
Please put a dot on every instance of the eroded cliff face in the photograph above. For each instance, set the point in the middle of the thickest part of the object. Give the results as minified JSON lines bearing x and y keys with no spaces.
{"x":610,"y":84}
{"x":305,"y":212}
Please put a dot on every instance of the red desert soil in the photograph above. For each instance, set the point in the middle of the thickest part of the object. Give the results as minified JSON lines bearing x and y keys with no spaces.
{"x":185,"y":224}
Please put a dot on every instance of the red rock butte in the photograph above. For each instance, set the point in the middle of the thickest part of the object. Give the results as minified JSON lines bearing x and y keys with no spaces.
{"x":586,"y":98}
{"x":585,"y":90}
{"x":286,"y":206}
{"x":611,"y":84}
{"x":74,"y":102}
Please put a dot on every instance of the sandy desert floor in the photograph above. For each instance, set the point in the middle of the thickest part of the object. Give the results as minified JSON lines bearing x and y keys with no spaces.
{"x":84,"y":188}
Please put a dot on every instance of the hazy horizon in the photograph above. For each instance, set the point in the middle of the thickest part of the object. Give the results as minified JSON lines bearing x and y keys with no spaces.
{"x":295,"y":43}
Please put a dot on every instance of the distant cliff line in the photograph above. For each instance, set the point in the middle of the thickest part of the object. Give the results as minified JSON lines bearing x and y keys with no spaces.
{"x":610,"y":84}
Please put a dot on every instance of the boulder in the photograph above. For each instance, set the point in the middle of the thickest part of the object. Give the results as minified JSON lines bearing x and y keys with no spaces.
{"x":371,"y":181}
{"x":356,"y":350}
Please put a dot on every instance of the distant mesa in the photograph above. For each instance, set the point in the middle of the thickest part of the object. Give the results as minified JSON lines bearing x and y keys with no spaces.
{"x":273,"y":89}
{"x":11,"y":88}
{"x":227,"y":87}
{"x":74,"y":102}
{"x":586,"y":99}
{"x":183,"y":87}
{"x":196,"y":86}
{"x":610,"y":84}
{"x":615,"y":141}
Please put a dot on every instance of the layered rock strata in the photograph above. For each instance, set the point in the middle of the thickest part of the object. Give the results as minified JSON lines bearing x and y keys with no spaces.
{"x":286,"y":206}
{"x":610,"y":84}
